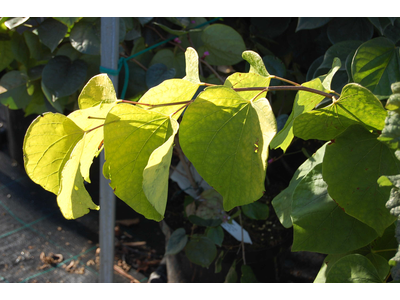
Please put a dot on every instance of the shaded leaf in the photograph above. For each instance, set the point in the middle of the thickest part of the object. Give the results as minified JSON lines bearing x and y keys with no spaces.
{"x":63,"y":77}
{"x":51,"y":33}
{"x":224,"y":44}
{"x":376,"y":65}
{"x":347,"y":29}
{"x":157,"y":73}
{"x":282,"y":203}
{"x":20,"y":49}
{"x":216,"y":234}
{"x":256,"y":210}
{"x":6,"y":56}
{"x":85,"y":36}
{"x":311,"y":22}
{"x":355,"y":187}
{"x":13,"y":92}
{"x":176,"y":242}
{"x":248,"y":275}
{"x":353,"y":268}
{"x":201,"y":251}
{"x":232,"y":276}
{"x":314,"y":213}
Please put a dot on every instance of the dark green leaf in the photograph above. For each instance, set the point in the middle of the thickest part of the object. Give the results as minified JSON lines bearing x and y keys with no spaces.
{"x":68,"y":21}
{"x":13,"y":93}
{"x":393,"y":31}
{"x":218,"y":262}
{"x":6,"y":56}
{"x":36,"y":50}
{"x":351,"y":167}
{"x":311,"y":22}
{"x":176,"y":242}
{"x":20,"y":49}
{"x":85,"y":36}
{"x":201,"y":251}
{"x":216,"y":234}
{"x":381,"y":265}
{"x":51,"y":33}
{"x":380,"y":23}
{"x":256,"y":210}
{"x":63,"y":77}
{"x":157,"y":73}
{"x":274,"y":66}
{"x":283,"y":202}
{"x":247,"y":275}
{"x":346,"y":29}
{"x":232,"y":277}
{"x":203,"y":222}
{"x":269,"y":27}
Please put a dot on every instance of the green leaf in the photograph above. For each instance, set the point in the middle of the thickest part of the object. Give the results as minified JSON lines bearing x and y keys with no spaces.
{"x":351,"y":167}
{"x":256,"y":63}
{"x":256,"y":210}
{"x":192,"y":66}
{"x":224,"y":44}
{"x":276,"y":67}
{"x":201,"y":251}
{"x":376,"y":65}
{"x":51,"y":33}
{"x":63,"y":77}
{"x":85,"y":36}
{"x":327,"y":79}
{"x":176,"y":242}
{"x":98,"y":90}
{"x":311,"y":22}
{"x":353,"y":268}
{"x":46,"y":154}
{"x":6,"y":56}
{"x":68,"y":21}
{"x":226,"y":138}
{"x":381,"y":265}
{"x":20,"y":49}
{"x":304,"y":101}
{"x":170,"y":91}
{"x":74,"y":201}
{"x":131,"y":134}
{"x":36,"y":49}
{"x":157,"y":73}
{"x":346,"y":29}
{"x":232,"y":276}
{"x":356,"y":105}
{"x":247,"y":275}
{"x":13,"y":92}
{"x":282,"y":203}
{"x":216,"y":234}
{"x":156,"y":172}
{"x":314,"y":212}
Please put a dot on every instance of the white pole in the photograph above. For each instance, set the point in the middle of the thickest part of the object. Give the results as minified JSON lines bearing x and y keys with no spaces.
{"x":109,"y":59}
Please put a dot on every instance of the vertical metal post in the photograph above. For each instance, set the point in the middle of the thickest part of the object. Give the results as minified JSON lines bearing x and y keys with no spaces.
{"x":109,"y":59}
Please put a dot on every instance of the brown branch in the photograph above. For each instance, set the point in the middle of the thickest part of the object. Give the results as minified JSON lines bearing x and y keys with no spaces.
{"x":285,"y":88}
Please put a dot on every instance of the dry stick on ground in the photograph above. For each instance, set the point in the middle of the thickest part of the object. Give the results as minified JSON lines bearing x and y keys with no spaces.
{"x":121,"y":271}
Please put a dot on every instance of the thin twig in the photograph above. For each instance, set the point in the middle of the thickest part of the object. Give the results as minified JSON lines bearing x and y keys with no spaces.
{"x":285,"y":88}
{"x":242,"y":242}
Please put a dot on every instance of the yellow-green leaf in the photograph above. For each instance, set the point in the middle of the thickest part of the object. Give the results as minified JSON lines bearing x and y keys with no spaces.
{"x":48,"y":144}
{"x":156,"y":173}
{"x":192,"y":66}
{"x":87,"y":119}
{"x":98,"y":90}
{"x":170,"y":91}
{"x":74,"y":201}
{"x":226,"y":138}
{"x":131,"y":134}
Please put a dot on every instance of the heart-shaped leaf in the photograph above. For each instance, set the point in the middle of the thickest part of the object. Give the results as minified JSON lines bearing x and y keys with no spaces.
{"x":226,"y":138}
{"x":63,"y":77}
{"x":51,"y":33}
{"x":355,"y":187}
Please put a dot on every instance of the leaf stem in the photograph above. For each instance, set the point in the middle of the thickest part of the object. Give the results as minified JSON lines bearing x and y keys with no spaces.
{"x":285,"y":80}
{"x":156,"y":105}
{"x":284,"y":88}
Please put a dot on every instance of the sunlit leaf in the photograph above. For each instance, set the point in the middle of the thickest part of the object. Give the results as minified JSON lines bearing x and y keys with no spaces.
{"x":356,"y":105}
{"x":226,"y":138}
{"x":98,"y":90}
{"x":131,"y":134}
{"x":48,"y":144}
{"x":74,"y":201}
{"x":192,"y":66}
